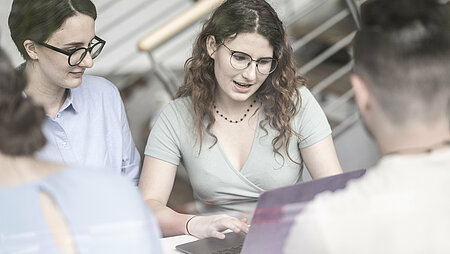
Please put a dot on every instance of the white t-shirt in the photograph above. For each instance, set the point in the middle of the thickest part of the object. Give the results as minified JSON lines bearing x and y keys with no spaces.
{"x":402,"y":205}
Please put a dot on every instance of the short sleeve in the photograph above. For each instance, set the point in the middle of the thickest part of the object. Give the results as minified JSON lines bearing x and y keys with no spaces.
{"x":131,"y":159}
{"x":311,"y":122}
{"x":164,"y":140}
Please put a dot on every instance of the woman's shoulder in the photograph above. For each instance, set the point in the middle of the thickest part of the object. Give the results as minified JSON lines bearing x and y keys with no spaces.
{"x":177,"y":115}
{"x":92,"y":186}
{"x":310,"y":121}
{"x":305,"y":93}
{"x":89,"y":177}
{"x":106,"y":203}
{"x":182,"y":102}
{"x":180,"y":106}
{"x":96,"y":85}
{"x":306,"y":99}
{"x":97,"y":93}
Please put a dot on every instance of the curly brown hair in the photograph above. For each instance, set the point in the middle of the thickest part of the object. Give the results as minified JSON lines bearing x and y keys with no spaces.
{"x":278,"y":93}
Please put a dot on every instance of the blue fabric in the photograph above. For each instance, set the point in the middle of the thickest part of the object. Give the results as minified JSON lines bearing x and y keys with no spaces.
{"x":91,"y":129}
{"x":105,"y":214}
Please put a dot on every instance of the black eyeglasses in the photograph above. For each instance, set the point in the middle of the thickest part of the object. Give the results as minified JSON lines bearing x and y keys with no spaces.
{"x":240,"y":60}
{"x":77,"y":55}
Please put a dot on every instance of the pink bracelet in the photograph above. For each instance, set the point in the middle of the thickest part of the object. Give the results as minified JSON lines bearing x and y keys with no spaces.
{"x":187,"y":223}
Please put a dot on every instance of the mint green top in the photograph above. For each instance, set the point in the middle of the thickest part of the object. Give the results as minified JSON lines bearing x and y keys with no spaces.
{"x":213,"y":178}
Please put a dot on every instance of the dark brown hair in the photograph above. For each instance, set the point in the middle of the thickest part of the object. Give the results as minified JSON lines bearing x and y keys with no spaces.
{"x":37,"y":20}
{"x":403,"y":53}
{"x":20,"y":119}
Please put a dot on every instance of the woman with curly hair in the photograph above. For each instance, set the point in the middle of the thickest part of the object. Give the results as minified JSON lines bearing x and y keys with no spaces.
{"x":243,"y":123}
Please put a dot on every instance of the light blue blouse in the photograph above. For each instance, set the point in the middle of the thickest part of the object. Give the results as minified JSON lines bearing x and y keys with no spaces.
{"x":91,"y":129}
{"x":105,"y":214}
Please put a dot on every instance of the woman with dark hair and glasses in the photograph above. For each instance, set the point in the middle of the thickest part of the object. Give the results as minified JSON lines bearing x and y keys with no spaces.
{"x":86,"y":121}
{"x":49,"y":208}
{"x":243,"y":123}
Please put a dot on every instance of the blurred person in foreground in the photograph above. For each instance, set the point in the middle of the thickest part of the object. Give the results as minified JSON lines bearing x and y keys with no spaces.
{"x":51,"y":208}
{"x":402,"y":87}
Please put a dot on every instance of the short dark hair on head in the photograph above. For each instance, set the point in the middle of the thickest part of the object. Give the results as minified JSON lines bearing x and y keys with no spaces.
{"x":403,"y":53}
{"x":37,"y":20}
{"x":20,"y":119}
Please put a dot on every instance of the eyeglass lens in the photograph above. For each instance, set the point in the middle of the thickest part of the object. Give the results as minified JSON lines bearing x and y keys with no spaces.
{"x":241,"y":61}
{"x":77,"y":56}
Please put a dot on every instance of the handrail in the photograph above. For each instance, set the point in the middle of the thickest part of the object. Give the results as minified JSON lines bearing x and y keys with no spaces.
{"x":326,"y":82}
{"x":327,"y":53}
{"x":320,"y":29}
{"x":177,"y":24}
{"x":346,"y":124}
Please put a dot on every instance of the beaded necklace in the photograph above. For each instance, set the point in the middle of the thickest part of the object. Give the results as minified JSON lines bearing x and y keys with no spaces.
{"x":234,"y":121}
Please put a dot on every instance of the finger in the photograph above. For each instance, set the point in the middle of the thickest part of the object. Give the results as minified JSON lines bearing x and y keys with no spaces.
{"x":242,"y":223}
{"x":218,"y":234}
{"x":236,"y":225}
{"x":244,"y":227}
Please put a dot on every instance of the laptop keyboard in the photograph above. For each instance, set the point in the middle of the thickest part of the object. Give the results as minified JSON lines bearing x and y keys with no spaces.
{"x":232,"y":250}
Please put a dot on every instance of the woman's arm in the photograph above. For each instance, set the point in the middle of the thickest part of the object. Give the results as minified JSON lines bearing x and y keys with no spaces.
{"x":321,"y":159}
{"x":156,"y":184}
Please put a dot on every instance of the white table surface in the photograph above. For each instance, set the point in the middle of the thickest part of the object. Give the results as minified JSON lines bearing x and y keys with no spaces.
{"x":168,"y":243}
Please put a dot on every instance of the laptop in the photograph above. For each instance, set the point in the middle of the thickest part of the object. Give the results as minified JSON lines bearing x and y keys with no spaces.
{"x":272,"y":218}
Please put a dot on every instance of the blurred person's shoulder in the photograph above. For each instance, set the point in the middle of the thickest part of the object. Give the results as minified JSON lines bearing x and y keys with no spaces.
{"x":396,"y":193}
{"x":108,"y":205}
{"x":96,"y":87}
{"x":390,"y":182}
{"x":96,"y":186}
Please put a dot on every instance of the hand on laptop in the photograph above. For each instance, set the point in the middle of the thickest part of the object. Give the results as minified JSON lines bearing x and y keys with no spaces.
{"x":212,"y":226}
